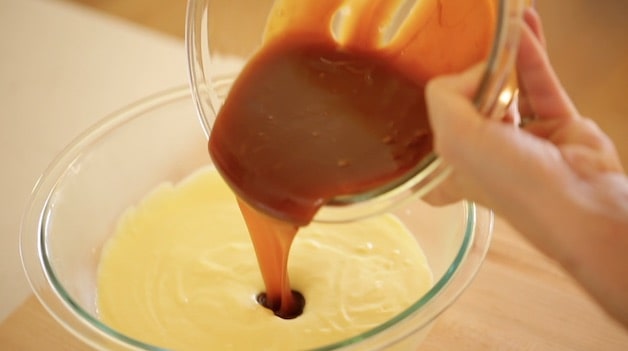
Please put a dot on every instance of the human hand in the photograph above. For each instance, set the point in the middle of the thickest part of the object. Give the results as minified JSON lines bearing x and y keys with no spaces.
{"x":557,"y":179}
{"x":497,"y":165}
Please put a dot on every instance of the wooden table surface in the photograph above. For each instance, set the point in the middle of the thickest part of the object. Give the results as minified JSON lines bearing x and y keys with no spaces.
{"x":520,"y":300}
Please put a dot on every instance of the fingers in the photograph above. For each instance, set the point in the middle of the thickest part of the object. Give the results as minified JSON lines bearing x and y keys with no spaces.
{"x":459,"y":130}
{"x":451,"y":110}
{"x":587,"y":148}
{"x":453,"y":118}
{"x":542,"y":95}
{"x":585,"y":161}
{"x":532,"y":19}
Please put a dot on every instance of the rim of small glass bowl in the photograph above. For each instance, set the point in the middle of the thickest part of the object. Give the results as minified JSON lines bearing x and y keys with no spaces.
{"x":85,"y":326}
{"x":491,"y":99}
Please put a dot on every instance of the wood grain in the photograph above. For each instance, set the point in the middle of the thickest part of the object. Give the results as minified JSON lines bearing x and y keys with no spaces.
{"x":520,"y":300}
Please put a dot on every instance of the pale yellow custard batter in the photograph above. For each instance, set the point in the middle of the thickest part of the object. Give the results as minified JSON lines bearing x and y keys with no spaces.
{"x":180,"y":272}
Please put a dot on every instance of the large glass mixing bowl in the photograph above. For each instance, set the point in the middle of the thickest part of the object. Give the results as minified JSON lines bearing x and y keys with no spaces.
{"x":78,"y":200}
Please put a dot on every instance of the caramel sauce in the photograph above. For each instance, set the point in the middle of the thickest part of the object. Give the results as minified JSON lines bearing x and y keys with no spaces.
{"x":334,"y":106}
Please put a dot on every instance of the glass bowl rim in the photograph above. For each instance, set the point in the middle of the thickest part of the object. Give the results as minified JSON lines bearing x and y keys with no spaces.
{"x":39,"y":269}
{"x":429,"y":173}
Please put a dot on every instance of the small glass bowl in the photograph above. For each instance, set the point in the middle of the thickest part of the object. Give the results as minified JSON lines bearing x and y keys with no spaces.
{"x":77,"y":202}
{"x":222,"y":35}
